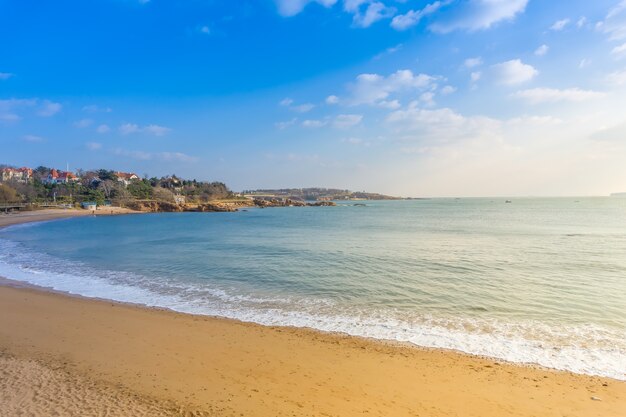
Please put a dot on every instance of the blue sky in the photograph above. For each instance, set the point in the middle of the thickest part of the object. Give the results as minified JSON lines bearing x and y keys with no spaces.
{"x":414,"y":98}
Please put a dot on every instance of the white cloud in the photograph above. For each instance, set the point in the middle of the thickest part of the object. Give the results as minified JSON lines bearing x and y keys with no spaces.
{"x":542,"y":50}
{"x":103,"y":128}
{"x":5,"y":75}
{"x":354,"y":141}
{"x":9,"y":107}
{"x":448,"y":89}
{"x":475,"y":76}
{"x":584,"y":63}
{"x":615,"y":22}
{"x":49,"y":108}
{"x":428,"y":98}
{"x":163,"y":156}
{"x":92,"y":108}
{"x":303,"y":108}
{"x":475,"y":15}
{"x":473,"y":62}
{"x":389,"y":104}
{"x":9,"y":117}
{"x":128,"y":128}
{"x":559,"y":25}
{"x":374,"y":11}
{"x":156,"y":130}
{"x":442,"y":125}
{"x":176,"y":156}
{"x":93,"y":146}
{"x":32,"y":138}
{"x":285,"y":125}
{"x":581,"y":22}
{"x":314,"y":123}
{"x":205,"y":30}
{"x":332,"y":99}
{"x":513,"y":72}
{"x":288,"y":8}
{"x":619,"y":51}
{"x":552,"y":95}
{"x":140,"y":155}
{"x":345,"y":121}
{"x":617,"y":78}
{"x":374,"y":88}
{"x":83,"y":123}
{"x":413,"y":17}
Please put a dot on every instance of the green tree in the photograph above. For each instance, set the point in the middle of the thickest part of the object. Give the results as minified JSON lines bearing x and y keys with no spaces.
{"x":140,"y":189}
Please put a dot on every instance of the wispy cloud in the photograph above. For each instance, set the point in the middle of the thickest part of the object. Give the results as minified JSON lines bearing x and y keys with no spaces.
{"x":285,"y":125}
{"x":346,"y":121}
{"x":83,"y":123}
{"x":103,"y":128}
{"x":619,"y":51}
{"x":93,"y":108}
{"x":367,"y":12}
{"x":289,"y":8}
{"x":162,"y":156}
{"x":299,"y":108}
{"x":413,"y":17}
{"x":542,"y":50}
{"x":310,"y":123}
{"x":473,"y":62}
{"x":5,"y":75}
{"x":553,"y":95}
{"x":9,"y":108}
{"x":156,"y":130}
{"x":559,"y":25}
{"x":49,"y":108}
{"x":93,"y":146}
{"x":473,"y":15}
{"x":332,"y":99}
{"x":33,"y":138}
{"x":615,"y":22}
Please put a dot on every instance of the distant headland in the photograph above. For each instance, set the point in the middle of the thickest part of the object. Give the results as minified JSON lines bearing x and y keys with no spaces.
{"x":42,"y":187}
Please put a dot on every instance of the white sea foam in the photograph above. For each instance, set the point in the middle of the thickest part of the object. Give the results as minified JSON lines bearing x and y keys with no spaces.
{"x":585,"y":349}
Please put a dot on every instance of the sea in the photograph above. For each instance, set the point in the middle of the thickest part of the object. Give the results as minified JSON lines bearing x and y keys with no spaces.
{"x":534,"y":280}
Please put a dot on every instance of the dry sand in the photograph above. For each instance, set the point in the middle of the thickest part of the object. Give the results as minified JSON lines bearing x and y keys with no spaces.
{"x":52,"y":214}
{"x":71,"y":356}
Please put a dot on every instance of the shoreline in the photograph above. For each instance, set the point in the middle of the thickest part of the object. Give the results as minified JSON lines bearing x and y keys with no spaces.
{"x":224,"y":366}
{"x":23,"y":217}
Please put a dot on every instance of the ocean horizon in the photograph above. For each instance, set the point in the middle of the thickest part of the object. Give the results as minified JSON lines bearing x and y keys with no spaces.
{"x":536,"y":281}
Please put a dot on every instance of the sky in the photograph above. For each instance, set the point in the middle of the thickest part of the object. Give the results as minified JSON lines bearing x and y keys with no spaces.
{"x":409,"y":98}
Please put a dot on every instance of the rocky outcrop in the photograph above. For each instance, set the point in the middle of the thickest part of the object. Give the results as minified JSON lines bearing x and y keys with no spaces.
{"x":290,"y":203}
{"x":154,"y":206}
{"x":218,"y":206}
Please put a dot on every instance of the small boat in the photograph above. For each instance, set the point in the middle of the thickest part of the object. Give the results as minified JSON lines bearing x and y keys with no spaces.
{"x":508,"y":201}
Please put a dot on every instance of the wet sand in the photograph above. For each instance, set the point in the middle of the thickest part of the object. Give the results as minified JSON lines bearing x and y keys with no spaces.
{"x":64,"y":355}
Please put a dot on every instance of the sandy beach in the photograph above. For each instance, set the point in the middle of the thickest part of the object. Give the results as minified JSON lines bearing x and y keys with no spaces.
{"x":72,"y":356}
{"x":8,"y":219}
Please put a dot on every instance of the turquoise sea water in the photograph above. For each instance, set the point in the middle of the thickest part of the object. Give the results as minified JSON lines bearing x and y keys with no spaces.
{"x":536,"y":281}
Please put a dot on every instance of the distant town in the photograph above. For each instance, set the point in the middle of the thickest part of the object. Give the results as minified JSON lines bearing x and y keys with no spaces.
{"x":52,"y":187}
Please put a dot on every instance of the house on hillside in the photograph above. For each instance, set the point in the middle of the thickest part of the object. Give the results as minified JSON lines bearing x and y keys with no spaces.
{"x":126,"y":177}
{"x":23,"y":174}
{"x":60,"y":177}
